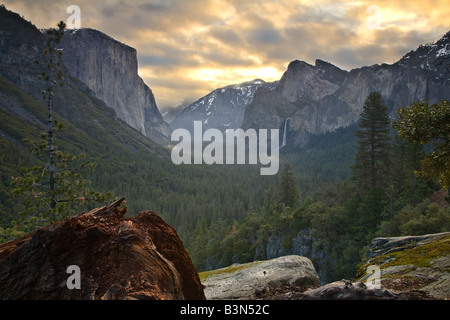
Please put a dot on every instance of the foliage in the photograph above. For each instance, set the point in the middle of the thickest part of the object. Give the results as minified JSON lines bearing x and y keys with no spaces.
{"x":423,"y":123}
{"x":54,"y":188}
{"x":424,"y":218}
{"x":342,"y":216}
{"x":287,"y":188}
{"x":372,"y":158}
{"x":224,"y":214}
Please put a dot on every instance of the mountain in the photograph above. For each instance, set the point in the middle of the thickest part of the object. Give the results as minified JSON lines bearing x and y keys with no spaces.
{"x":169,"y":113}
{"x":222,"y":109}
{"x":110,"y":69}
{"x":91,"y":126}
{"x":129,"y":164}
{"x":312,"y":100}
{"x":21,"y":44}
{"x":316,"y":99}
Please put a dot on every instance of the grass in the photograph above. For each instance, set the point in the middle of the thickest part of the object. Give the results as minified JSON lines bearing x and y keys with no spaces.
{"x":227,"y":270}
{"x":419,"y":257}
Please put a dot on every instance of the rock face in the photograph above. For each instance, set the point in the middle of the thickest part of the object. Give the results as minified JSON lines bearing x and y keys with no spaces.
{"x":110,"y":69}
{"x":419,"y":264}
{"x":246,"y":281}
{"x":323,"y":98}
{"x":119,"y":258}
{"x":21,"y":44}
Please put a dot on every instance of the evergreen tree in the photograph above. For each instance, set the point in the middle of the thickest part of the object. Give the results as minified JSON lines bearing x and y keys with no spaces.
{"x":270,"y":200}
{"x":406,"y":187}
{"x":370,"y":169}
{"x":423,"y":123}
{"x":287,"y":188}
{"x":55,"y":189}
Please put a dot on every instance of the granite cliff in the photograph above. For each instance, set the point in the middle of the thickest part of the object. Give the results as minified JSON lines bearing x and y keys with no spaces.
{"x":110,"y":69}
{"x":322,"y":98}
{"x":76,"y":105}
{"x":118,"y":259}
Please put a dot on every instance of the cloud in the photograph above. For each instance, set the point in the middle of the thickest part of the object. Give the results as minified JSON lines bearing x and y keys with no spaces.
{"x":188,"y":48}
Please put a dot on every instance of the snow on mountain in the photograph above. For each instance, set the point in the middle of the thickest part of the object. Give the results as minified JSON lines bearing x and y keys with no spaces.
{"x":223,"y":109}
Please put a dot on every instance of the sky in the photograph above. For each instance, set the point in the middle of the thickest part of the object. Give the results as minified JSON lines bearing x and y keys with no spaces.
{"x":187,"y":48}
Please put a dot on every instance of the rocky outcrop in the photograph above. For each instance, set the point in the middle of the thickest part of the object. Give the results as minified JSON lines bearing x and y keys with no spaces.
{"x":302,"y":244}
{"x":411,"y":268}
{"x":246,"y":281}
{"x":110,"y":70}
{"x":118,"y":258}
{"x":418,"y":264}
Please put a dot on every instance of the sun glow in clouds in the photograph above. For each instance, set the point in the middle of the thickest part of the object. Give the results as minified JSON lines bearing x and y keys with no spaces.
{"x":223,"y":77}
{"x":189,"y":48}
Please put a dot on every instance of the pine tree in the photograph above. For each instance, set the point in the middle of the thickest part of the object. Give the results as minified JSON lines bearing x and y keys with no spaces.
{"x":407,"y":187}
{"x":270,"y":199}
{"x":370,"y":169}
{"x":55,"y":189}
{"x":287,"y":188}
{"x":423,"y":123}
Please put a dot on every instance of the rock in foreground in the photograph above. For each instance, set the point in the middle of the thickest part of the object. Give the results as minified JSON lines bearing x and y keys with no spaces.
{"x":412,"y":264}
{"x":247,"y":281}
{"x":119,"y":258}
{"x":347,"y":290}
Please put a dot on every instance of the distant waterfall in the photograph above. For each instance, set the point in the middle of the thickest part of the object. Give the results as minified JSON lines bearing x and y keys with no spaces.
{"x":283,"y":144}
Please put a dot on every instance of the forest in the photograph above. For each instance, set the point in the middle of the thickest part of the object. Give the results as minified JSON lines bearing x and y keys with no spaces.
{"x":329,"y":199}
{"x":388,"y":192}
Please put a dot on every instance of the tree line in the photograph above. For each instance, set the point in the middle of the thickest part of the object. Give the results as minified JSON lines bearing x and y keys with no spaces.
{"x":397,"y":166}
{"x":229,"y":214}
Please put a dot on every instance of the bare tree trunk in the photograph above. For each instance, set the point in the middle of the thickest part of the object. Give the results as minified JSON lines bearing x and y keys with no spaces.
{"x":51,"y":151}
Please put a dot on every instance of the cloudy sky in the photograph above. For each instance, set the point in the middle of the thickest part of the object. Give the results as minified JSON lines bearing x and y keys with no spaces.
{"x":187,"y":48}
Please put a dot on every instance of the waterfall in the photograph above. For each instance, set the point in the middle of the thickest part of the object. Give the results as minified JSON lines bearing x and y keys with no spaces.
{"x":285,"y":134}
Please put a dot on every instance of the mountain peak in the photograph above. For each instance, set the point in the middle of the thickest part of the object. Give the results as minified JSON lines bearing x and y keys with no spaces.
{"x":110,"y":69}
{"x":433,"y":57}
{"x":298,"y":64}
{"x":223,"y":108}
{"x":303,"y":81}
{"x":322,"y":98}
{"x":94,"y":33}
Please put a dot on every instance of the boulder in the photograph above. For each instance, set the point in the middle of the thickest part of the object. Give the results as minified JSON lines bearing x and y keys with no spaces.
{"x":251,"y":280}
{"x":417,"y":265}
{"x":117,"y":258}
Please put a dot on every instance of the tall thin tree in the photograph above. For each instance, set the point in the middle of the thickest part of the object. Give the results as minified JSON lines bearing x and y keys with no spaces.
{"x":52,"y":75}
{"x":56,"y":189}
{"x":288,"y":194}
{"x":370,"y":169}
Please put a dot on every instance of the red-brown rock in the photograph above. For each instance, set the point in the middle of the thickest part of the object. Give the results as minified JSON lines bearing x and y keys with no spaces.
{"x":118,"y":257}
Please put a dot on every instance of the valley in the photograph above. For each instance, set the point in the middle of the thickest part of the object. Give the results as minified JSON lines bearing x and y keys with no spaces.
{"x":228,"y":214}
